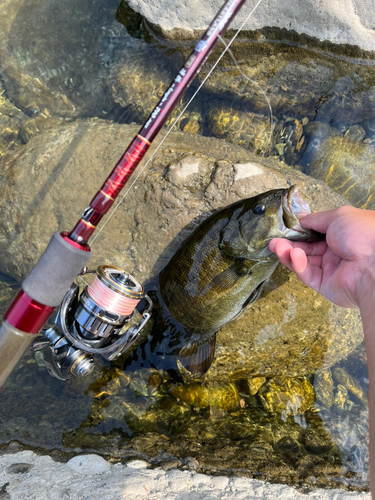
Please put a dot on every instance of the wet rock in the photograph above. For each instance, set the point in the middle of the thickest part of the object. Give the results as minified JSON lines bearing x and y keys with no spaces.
{"x":288,"y":446}
{"x":346,"y":166}
{"x":224,"y":396}
{"x":255,"y":383}
{"x":323,"y":386}
{"x":47,"y":65}
{"x":246,"y":129}
{"x":355,"y":133}
{"x":293,"y":84}
{"x":317,"y":440}
{"x":140,"y":78}
{"x":341,"y":396}
{"x":287,"y":396}
{"x":57,"y":174}
{"x":351,"y":384}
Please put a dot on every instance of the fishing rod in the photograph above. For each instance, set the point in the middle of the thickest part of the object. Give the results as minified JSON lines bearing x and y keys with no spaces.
{"x":93,"y":322}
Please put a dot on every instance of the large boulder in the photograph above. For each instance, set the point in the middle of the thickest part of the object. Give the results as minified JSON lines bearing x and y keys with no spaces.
{"x":291,"y":330}
{"x":346,"y":22}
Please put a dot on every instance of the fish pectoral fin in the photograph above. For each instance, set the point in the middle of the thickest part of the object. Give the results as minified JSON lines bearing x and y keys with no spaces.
{"x":197,"y":357}
{"x":227,"y":279}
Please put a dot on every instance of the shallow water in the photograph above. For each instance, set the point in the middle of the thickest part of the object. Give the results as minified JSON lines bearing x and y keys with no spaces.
{"x":65,"y":60}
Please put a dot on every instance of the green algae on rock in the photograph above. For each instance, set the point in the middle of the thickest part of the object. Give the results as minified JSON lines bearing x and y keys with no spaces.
{"x":223,"y":395}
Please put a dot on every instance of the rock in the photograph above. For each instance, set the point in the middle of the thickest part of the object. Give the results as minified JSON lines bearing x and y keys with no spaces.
{"x":59,"y":171}
{"x":140,"y":78}
{"x":191,"y":172}
{"x":350,"y":22}
{"x":341,"y":376}
{"x":88,"y":465}
{"x":49,"y":67}
{"x":137,"y":464}
{"x":223,"y":395}
{"x":287,"y":396}
{"x":323,"y":385}
{"x":320,"y":88}
{"x":284,"y":138}
{"x":248,"y":130}
{"x":254,"y":384}
{"x":346,"y":166}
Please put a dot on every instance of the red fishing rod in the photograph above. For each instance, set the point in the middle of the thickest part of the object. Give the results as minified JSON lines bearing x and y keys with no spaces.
{"x":67,"y":254}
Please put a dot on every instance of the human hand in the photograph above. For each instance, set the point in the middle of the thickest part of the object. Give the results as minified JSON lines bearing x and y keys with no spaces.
{"x":341,"y":268}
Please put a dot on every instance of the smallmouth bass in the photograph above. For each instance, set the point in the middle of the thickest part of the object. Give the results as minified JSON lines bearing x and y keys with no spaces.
{"x":220,"y":269}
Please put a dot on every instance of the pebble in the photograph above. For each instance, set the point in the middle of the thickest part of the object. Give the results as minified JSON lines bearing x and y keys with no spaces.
{"x":90,"y":477}
{"x":88,"y":465}
{"x":137,"y":464}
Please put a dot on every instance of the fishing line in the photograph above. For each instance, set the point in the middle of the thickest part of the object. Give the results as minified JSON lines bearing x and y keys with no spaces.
{"x":178,"y":118}
{"x":259,"y":87}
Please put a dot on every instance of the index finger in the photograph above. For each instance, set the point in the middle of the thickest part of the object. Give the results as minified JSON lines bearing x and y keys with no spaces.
{"x":309,"y":247}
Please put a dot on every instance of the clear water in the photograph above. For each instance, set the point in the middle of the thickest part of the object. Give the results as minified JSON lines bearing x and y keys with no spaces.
{"x":64,"y":60}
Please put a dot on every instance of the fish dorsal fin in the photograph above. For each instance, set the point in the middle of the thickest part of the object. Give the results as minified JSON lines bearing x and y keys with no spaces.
{"x":197,"y":357}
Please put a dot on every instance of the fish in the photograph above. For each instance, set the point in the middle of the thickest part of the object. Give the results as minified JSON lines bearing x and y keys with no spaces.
{"x":220,"y":269}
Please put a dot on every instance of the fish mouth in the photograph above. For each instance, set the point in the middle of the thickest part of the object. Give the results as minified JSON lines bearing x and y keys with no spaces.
{"x":294,"y":207}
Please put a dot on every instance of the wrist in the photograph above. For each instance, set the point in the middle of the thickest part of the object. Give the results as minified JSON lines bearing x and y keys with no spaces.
{"x":365,"y":291}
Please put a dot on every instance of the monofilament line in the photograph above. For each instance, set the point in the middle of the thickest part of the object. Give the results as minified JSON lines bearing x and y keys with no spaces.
{"x":178,"y":118}
{"x":259,"y":87}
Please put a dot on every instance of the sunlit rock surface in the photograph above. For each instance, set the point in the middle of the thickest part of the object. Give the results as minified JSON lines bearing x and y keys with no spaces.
{"x":348,"y":21}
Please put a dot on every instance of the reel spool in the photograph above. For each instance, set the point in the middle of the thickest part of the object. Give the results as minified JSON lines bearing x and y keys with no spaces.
{"x":93,"y":323}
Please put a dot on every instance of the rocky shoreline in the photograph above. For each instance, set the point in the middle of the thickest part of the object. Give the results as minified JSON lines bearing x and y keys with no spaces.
{"x":26,"y":475}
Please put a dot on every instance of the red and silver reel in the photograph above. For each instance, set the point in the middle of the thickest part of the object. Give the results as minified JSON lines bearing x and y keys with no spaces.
{"x":93,"y":322}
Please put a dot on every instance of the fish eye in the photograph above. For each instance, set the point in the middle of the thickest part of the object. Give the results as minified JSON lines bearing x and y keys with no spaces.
{"x":259,"y":209}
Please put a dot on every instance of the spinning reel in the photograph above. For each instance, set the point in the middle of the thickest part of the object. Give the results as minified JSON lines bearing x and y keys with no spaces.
{"x":93,"y":322}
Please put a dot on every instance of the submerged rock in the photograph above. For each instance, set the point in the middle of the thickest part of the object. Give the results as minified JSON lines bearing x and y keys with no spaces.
{"x":224,"y":396}
{"x":346,"y":166}
{"x":351,"y":384}
{"x":290,"y":331}
{"x":248,"y":130}
{"x":47,"y":63}
{"x":287,"y":396}
{"x":284,"y":138}
{"x":323,"y":386}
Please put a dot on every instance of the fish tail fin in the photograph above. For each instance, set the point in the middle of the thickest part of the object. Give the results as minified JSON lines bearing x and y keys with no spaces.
{"x":197,"y":357}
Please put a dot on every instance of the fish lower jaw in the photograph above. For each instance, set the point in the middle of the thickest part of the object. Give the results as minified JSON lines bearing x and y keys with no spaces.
{"x":296,"y":234}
